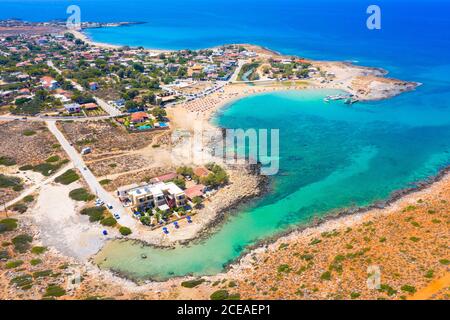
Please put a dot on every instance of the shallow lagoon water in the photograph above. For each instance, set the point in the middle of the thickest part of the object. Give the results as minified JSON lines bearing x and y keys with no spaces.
{"x":332,"y":156}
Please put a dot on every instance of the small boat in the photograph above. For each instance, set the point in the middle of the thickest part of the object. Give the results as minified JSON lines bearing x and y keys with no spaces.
{"x":143,"y":256}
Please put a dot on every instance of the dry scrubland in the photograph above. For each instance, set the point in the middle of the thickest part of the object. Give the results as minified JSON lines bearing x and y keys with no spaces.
{"x":27,"y":143}
{"x":28,"y":146}
{"x":104,"y":136}
{"x":28,"y":270}
{"x":408,"y":241}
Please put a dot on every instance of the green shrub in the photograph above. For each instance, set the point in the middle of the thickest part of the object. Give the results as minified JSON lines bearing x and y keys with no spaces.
{"x":105,"y":182}
{"x":284,"y":268}
{"x":326,"y":275}
{"x":22,"y":243}
{"x":67,"y":177}
{"x":408,"y":288}
{"x":13,"y":264}
{"x":38,"y":250}
{"x":181,"y":183}
{"x":192,"y":283}
{"x":9,"y":182}
{"x":445,"y":262}
{"x":81,"y":194}
{"x":387,"y":289}
{"x":19,"y":207}
{"x":219,"y":295}
{"x":307,"y":257}
{"x":23,"y":282}
{"x":355,"y":295}
{"x":18,"y":187}
{"x":429,"y":274}
{"x":125,"y":231}
{"x":315,"y":241}
{"x":53,"y":159}
{"x":8,"y":224}
{"x":46,"y":169}
{"x":7,"y":161}
{"x":54,"y":291}
{"x":217,"y":177}
{"x":42,"y":274}
{"x":409,"y":208}
{"x":94,"y":213}
{"x":109,"y":222}
{"x":26,"y":167}
{"x":4,"y":255}
{"x":35,"y":262}
{"x":28,"y":199}
{"x":28,"y":133}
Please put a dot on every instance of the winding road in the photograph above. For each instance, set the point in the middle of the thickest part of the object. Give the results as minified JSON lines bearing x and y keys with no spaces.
{"x":95,"y":187}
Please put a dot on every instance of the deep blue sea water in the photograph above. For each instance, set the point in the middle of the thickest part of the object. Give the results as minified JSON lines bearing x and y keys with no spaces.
{"x":332,"y":156}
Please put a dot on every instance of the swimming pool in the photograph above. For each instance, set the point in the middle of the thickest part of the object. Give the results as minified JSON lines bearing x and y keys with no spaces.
{"x":145,"y":127}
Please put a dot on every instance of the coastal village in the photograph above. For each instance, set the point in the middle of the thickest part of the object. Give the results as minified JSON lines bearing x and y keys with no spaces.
{"x":87,"y":136}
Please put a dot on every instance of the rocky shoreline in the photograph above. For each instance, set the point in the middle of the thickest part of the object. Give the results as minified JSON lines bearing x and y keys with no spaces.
{"x":318,"y":221}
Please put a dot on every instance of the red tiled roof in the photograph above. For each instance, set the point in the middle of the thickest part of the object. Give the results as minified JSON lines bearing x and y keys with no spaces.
{"x":47,"y":79}
{"x":167,"y":177}
{"x":194,"y":191}
{"x":139,"y":116}
{"x":201,"y":172}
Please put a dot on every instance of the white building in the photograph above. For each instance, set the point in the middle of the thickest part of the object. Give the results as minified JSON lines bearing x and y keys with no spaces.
{"x":158,"y":195}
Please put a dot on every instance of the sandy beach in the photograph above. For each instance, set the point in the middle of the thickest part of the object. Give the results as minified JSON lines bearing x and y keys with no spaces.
{"x":79,"y":34}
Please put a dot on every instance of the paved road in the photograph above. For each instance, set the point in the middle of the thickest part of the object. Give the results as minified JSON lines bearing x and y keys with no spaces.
{"x":112,"y":111}
{"x":95,"y":187}
{"x":233,"y":78}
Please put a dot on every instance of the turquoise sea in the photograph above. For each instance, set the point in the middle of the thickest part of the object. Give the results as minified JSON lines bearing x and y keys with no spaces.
{"x":332,"y":156}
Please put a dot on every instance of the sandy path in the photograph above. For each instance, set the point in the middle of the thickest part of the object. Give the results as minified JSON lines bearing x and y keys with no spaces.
{"x":36,"y":180}
{"x":433,"y":288}
{"x":62,"y":227}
